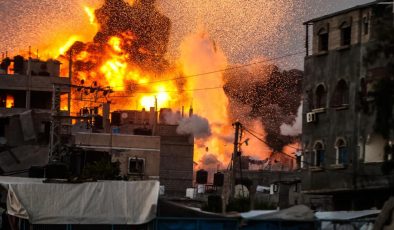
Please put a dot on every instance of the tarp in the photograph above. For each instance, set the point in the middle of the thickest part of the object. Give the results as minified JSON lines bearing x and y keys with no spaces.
{"x":103,"y":202}
{"x":295,"y":213}
{"x":27,"y":124}
{"x":345,"y":215}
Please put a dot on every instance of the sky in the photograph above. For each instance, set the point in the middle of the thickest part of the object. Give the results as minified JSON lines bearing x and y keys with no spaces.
{"x":246,"y":31}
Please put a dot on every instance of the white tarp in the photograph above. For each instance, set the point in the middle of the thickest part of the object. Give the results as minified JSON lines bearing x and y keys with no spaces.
{"x":345,"y":215}
{"x":295,"y":213}
{"x":103,"y":202}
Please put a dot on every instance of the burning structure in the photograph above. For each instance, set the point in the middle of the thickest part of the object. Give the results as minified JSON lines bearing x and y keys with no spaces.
{"x":26,"y":92}
{"x":125,"y":66}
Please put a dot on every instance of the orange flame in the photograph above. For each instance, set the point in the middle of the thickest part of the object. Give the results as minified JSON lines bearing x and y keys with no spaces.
{"x":9,"y":101}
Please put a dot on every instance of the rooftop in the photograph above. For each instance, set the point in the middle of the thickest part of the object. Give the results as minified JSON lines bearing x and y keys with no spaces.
{"x":358,"y":7}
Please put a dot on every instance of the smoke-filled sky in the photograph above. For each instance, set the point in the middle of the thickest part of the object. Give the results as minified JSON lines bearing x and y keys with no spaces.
{"x":245,"y":30}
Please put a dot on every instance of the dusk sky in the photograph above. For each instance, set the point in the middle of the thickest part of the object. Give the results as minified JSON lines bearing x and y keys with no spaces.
{"x":245,"y":30}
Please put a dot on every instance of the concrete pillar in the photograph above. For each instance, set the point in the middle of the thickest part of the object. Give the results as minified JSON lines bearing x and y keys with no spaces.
{"x":106,"y":121}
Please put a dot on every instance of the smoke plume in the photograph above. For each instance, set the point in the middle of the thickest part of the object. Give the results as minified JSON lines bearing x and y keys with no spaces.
{"x":148,"y":30}
{"x":144,"y":32}
{"x":272,"y":96}
{"x":196,"y":125}
{"x":295,"y":128}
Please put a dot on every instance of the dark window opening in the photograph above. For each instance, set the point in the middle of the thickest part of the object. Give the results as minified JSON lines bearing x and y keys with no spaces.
{"x":323,"y":41}
{"x":365,"y":25}
{"x":319,"y":155}
{"x":321,"y":96}
{"x":346,"y":35}
{"x":342,"y":153}
{"x":136,"y":165}
{"x":341,"y":94}
{"x":3,"y":123}
{"x":41,"y":100}
{"x":12,"y":99}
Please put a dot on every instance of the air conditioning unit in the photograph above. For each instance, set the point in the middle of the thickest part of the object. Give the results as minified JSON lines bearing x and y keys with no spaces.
{"x":311,"y":117}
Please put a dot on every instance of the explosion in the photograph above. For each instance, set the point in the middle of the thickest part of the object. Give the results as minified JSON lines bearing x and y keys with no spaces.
{"x":126,"y":59}
{"x":127,"y":56}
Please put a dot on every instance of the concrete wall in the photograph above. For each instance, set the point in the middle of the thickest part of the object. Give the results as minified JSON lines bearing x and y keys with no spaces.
{"x":152,"y":162}
{"x":107,"y":140}
{"x":122,"y":147}
{"x":176,"y":160}
{"x":13,"y":129}
{"x":350,"y":122}
{"x":374,"y":148}
{"x":38,"y":83}
{"x":333,"y":26}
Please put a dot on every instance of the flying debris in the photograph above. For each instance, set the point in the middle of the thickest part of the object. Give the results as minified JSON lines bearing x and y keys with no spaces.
{"x":271,"y":95}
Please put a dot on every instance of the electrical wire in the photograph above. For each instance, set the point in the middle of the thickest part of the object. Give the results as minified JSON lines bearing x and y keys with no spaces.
{"x":256,"y":133}
{"x":222,"y":70}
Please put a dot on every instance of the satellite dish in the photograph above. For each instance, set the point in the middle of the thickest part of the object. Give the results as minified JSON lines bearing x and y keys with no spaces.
{"x":124,"y":115}
{"x":3,"y":141}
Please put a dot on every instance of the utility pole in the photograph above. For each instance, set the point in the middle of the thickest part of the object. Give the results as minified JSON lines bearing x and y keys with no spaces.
{"x":70,"y":74}
{"x":55,"y":124}
{"x":57,"y":129}
{"x":238,"y":127}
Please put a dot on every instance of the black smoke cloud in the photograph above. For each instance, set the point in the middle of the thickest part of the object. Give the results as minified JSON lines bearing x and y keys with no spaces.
{"x":150,"y":28}
{"x":144,"y":30}
{"x":272,"y":95}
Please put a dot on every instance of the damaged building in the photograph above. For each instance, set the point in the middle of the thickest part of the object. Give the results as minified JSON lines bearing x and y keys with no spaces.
{"x":26,"y":87}
{"x":146,"y":146}
{"x":344,"y":156}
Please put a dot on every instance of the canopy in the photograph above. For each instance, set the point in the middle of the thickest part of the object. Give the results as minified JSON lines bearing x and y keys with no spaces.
{"x":103,"y":202}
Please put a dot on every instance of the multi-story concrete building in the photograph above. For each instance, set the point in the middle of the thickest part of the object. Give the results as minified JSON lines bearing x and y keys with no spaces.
{"x":343,"y":155}
{"x":150,"y":141}
{"x":26,"y":87}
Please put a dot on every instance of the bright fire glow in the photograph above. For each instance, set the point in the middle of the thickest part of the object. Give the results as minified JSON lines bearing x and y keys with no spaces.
{"x":9,"y":101}
{"x":115,"y":42}
{"x":90,"y":12}
{"x":67,"y":45}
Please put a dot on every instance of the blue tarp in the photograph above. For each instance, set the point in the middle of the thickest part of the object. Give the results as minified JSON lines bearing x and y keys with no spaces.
{"x":196,"y":224}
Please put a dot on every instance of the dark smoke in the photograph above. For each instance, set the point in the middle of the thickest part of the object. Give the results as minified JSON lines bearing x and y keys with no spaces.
{"x":150,"y":28}
{"x":272,"y":95}
{"x":144,"y":30}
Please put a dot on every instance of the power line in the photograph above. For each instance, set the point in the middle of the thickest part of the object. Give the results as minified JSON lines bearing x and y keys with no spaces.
{"x":250,"y":130}
{"x":221,"y":70}
{"x":295,"y":158}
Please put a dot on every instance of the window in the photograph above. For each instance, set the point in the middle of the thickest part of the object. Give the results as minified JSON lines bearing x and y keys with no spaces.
{"x":342,"y":152}
{"x":321,"y":96}
{"x":341,"y":94}
{"x":365,"y":25}
{"x":346,"y":34}
{"x":318,"y":156}
{"x":323,"y":40}
{"x":136,"y":165}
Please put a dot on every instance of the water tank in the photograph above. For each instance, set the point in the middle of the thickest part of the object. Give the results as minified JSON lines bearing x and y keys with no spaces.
{"x":19,"y":65}
{"x":115,"y":118}
{"x":36,"y":172}
{"x":56,"y":171}
{"x":215,"y":203}
{"x":218,"y":179}
{"x":201,"y":176}
{"x":98,"y":122}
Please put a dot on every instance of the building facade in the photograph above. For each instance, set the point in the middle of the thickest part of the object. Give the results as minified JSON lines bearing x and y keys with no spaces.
{"x":26,"y":88}
{"x":343,"y":156}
